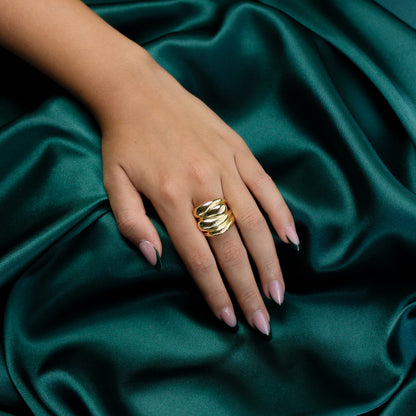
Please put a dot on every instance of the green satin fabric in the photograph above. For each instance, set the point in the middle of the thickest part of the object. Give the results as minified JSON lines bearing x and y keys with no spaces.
{"x":324,"y":93}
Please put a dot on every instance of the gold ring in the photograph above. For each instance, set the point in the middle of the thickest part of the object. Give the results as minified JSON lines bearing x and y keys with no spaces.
{"x":214,"y":217}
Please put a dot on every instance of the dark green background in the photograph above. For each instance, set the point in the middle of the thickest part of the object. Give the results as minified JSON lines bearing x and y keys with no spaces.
{"x":324,"y":94}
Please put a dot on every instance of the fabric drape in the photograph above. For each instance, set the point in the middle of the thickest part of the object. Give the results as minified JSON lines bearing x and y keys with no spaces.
{"x":324,"y":94}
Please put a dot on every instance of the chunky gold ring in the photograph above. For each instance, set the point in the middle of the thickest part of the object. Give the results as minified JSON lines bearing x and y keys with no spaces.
{"x":214,"y":217}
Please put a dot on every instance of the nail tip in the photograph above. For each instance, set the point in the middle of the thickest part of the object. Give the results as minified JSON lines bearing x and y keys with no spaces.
{"x":295,"y":246}
{"x":158,"y":265}
{"x":232,"y":329}
{"x":150,"y":253}
{"x":279,"y":300}
{"x":267,"y":336}
{"x":261,"y":323}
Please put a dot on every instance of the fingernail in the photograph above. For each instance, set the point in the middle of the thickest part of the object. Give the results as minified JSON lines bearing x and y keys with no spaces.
{"x":276,"y":291}
{"x":292,"y":237}
{"x":261,"y":322}
{"x":150,"y":253}
{"x":228,"y":316}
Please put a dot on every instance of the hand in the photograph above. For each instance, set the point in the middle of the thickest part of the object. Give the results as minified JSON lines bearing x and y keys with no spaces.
{"x":162,"y":142}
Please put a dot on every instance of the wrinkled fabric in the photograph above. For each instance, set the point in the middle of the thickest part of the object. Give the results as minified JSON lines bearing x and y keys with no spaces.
{"x":324,"y":94}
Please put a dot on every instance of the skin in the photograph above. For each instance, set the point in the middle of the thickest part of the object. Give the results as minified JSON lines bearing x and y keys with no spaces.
{"x":174,"y":163}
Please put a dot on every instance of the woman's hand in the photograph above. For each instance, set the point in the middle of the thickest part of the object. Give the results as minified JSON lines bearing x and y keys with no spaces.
{"x":162,"y":142}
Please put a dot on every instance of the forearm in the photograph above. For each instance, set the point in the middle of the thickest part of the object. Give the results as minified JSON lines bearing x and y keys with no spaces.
{"x":70,"y":43}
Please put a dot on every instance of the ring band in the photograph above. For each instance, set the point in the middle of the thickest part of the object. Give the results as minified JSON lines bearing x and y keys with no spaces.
{"x":214,"y":217}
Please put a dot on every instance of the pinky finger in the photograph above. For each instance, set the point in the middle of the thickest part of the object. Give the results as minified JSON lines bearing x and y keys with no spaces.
{"x":269,"y":197}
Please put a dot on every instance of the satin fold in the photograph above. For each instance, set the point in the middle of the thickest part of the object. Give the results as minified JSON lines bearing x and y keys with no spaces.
{"x":324,"y":94}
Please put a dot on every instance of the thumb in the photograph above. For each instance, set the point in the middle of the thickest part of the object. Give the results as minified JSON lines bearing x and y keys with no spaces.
{"x":130,"y":214}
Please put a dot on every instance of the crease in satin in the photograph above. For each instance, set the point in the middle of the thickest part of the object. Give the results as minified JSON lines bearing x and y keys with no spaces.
{"x":323,"y":93}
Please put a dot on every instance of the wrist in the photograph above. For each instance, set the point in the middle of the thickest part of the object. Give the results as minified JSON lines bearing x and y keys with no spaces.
{"x":120,"y":83}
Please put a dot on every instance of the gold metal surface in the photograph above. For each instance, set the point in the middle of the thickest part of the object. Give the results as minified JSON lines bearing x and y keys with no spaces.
{"x":214,"y":217}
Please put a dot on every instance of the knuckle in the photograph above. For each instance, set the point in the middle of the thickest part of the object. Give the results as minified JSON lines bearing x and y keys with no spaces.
{"x":127,"y":222}
{"x":200,"y":172}
{"x":252,"y":219}
{"x":261,"y":178}
{"x":283,"y":209}
{"x":271,"y":267}
{"x":168,"y":189}
{"x":216,"y":297}
{"x":249,"y":296}
{"x":233,"y":254}
{"x":199,"y":263}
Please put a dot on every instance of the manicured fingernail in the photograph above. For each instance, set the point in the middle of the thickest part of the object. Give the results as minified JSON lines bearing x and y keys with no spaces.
{"x":276,"y":291}
{"x":261,"y":322}
{"x":292,"y":237}
{"x":228,"y":316}
{"x":150,"y":253}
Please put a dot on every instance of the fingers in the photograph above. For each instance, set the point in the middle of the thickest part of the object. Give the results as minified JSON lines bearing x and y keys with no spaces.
{"x":130,"y":215}
{"x":268,"y":196}
{"x":221,"y":257}
{"x":193,"y":248}
{"x":204,"y":257}
{"x":233,"y":259}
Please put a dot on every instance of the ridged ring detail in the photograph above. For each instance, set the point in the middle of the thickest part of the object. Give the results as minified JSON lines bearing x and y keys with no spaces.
{"x":214,"y":217}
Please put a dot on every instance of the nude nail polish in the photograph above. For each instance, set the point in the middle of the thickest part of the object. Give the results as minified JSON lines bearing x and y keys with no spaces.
{"x":150,"y":253}
{"x":292,"y":237}
{"x":277,"y":291}
{"x":228,"y":316}
{"x":261,"y":323}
